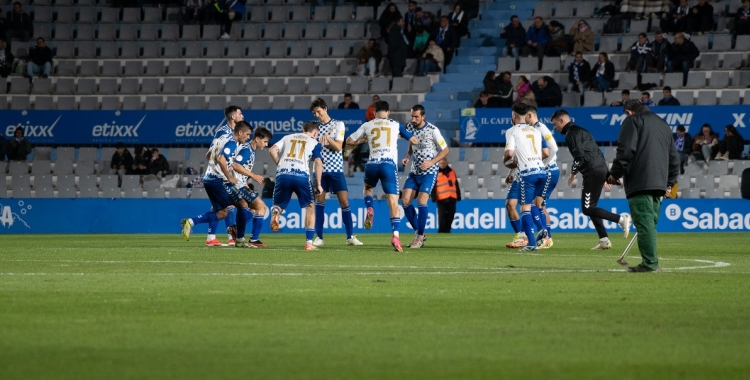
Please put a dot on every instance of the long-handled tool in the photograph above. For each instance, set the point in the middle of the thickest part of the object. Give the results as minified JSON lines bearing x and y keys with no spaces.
{"x":621,"y":260}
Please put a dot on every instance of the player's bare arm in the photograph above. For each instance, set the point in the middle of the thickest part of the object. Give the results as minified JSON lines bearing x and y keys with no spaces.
{"x":319,"y":174}
{"x":508,"y":159}
{"x":223,"y":166}
{"x":274,"y":152}
{"x":332,"y":144}
{"x":405,"y":160}
{"x":243,"y":170}
{"x":429,"y":163}
{"x":545,"y":153}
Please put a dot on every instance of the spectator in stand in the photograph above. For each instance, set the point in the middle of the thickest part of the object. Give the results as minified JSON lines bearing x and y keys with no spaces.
{"x":705,"y":144}
{"x":742,"y":19}
{"x":515,"y":39}
{"x":348,"y":104}
{"x":579,"y":74}
{"x":583,"y":37}
{"x":537,"y":38}
{"x":490,"y":82}
{"x":683,"y":142}
{"x":646,"y":99}
{"x":731,"y":147}
{"x":370,"y":112}
{"x":17,"y":148}
{"x":676,"y":20}
{"x":547,"y":92}
{"x":6,"y":60}
{"x":486,"y":100}
{"x":369,"y":57}
{"x":523,"y":88}
{"x":426,"y":20}
{"x":640,"y":50}
{"x":701,"y":18}
{"x":458,"y":21}
{"x":421,"y":40}
{"x":558,"y":42}
{"x":504,"y":92}
{"x":471,"y":7}
{"x":389,"y":16}
{"x":3,"y":26}
{"x":682,"y":55}
{"x":40,"y":60}
{"x":140,"y":161}
{"x":192,"y":11}
{"x":668,"y":99}
{"x":624,"y":97}
{"x":268,"y":186}
{"x":410,"y":18}
{"x":158,"y":165}
{"x":398,"y":48}
{"x":657,"y":58}
{"x":432,"y":60}
{"x":19,"y":24}
{"x":221,"y":12}
{"x":603,"y":73}
{"x":121,"y":160}
{"x":447,"y":39}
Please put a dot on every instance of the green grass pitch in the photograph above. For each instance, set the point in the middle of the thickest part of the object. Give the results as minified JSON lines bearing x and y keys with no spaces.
{"x":463,"y":307}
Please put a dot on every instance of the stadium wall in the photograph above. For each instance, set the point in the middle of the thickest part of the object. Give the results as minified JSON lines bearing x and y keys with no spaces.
{"x":37,"y":216}
{"x":481,"y":125}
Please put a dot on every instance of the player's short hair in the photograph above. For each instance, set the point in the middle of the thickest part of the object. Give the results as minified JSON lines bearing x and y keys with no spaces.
{"x":318,"y":103}
{"x":243,"y":125}
{"x":531,"y":108}
{"x":230,"y":110}
{"x":418,"y":108}
{"x":381,"y":106}
{"x":262,"y":133}
{"x":310,"y":126}
{"x":633,"y":105}
{"x":519,"y":109}
{"x":559,"y":113}
{"x":680,"y":128}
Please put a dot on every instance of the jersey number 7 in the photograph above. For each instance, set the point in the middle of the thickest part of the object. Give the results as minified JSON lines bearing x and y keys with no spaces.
{"x":533,"y":142}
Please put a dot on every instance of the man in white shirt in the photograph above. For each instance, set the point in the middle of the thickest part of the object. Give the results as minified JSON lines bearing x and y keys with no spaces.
{"x":553,"y":176}
{"x":382,"y":134}
{"x":292,"y":155}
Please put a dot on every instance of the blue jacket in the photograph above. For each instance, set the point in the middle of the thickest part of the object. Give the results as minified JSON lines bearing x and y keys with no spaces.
{"x":540,"y":36}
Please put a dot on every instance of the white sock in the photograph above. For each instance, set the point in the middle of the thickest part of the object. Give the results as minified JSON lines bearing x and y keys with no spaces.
{"x":395,"y":233}
{"x":229,"y":236}
{"x":191,"y":222}
{"x":210,"y":237}
{"x":308,"y":242}
{"x":604,"y":239}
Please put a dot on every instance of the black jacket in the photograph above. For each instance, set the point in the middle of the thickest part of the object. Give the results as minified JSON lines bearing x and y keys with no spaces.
{"x":609,"y":71}
{"x":660,"y":48}
{"x":584,"y":72}
{"x":19,"y":22}
{"x":672,"y":101}
{"x":687,"y":144}
{"x":515,"y":36}
{"x":40,"y":56}
{"x":646,"y":155}
{"x":686,"y":51}
{"x":586,"y":154}
{"x":450,"y":39}
{"x":550,"y":95}
{"x":397,"y":47}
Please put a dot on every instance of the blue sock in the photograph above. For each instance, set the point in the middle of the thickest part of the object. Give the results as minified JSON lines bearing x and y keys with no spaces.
{"x":395,"y":224}
{"x":543,"y":216}
{"x":549,"y":231}
{"x":368,"y":201}
{"x":516,"y":224}
{"x":411,"y":216}
{"x":528,"y":226}
{"x":257,"y":226}
{"x":212,"y":227}
{"x":537,"y":218}
{"x":243,"y":217}
{"x":320,"y":218}
{"x":422,"y":216}
{"x":205,"y":218}
{"x":231,"y":218}
{"x":309,"y":233}
{"x":346,"y":217}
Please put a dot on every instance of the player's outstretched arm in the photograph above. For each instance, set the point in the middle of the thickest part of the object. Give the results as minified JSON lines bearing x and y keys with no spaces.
{"x":224,"y":169}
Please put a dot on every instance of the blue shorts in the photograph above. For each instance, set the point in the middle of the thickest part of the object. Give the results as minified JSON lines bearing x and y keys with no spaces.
{"x":218,"y":193}
{"x":333,"y":182}
{"x":387,"y":174}
{"x":287,"y":185}
{"x":422,"y":183}
{"x":551,"y":182}
{"x":531,"y":186}
{"x":514,"y":191}
{"x":244,"y":194}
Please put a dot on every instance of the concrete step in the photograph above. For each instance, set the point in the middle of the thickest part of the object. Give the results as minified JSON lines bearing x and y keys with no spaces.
{"x":472,"y":68}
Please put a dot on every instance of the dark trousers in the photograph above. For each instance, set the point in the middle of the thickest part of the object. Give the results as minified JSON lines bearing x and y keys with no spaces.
{"x":397,"y":70}
{"x":538,"y":51}
{"x":645,"y":208}
{"x":742,"y":27}
{"x":668,"y":26}
{"x":636,"y":62}
{"x":446,"y":210}
{"x":448,"y":54}
{"x":593,"y":182}
{"x":656,"y":62}
{"x":697,"y":23}
{"x":683,"y":66}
